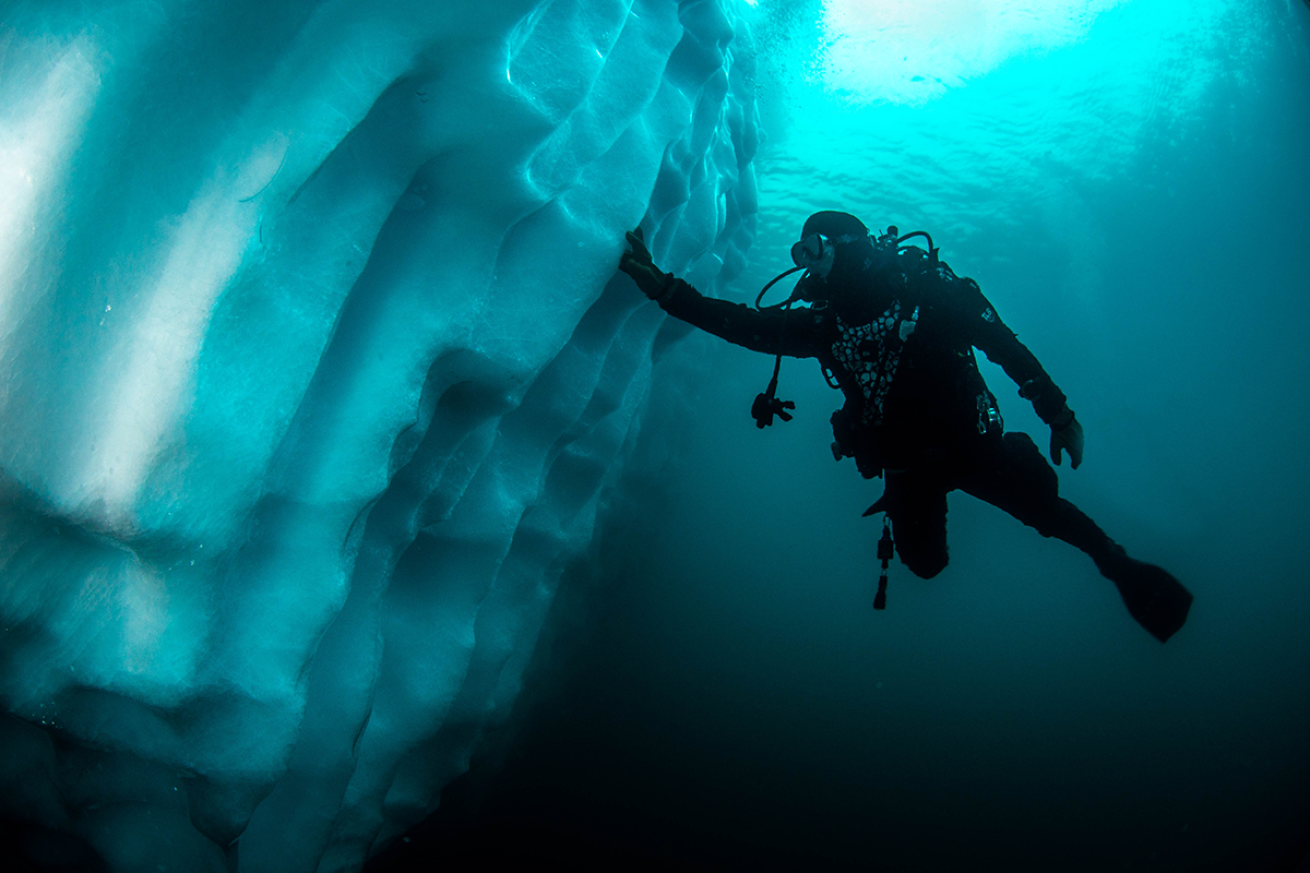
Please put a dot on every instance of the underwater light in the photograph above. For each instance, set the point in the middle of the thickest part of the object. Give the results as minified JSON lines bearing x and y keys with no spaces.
{"x":912,"y":51}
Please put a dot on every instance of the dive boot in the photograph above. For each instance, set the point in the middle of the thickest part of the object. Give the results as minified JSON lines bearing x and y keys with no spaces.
{"x":1157,"y":600}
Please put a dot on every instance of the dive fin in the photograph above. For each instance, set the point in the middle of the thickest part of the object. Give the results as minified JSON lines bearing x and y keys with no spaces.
{"x":1157,"y":600}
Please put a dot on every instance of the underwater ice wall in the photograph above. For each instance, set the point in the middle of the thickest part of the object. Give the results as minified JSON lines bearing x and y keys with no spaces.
{"x":313,"y":373}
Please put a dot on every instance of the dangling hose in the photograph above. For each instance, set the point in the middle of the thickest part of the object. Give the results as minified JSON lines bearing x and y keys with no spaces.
{"x":912,"y":234}
{"x":767,"y":405}
{"x":932,"y":251}
{"x":886,"y":548}
{"x":774,"y":281}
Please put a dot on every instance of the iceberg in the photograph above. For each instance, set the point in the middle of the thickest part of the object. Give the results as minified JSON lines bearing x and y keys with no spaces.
{"x":314,"y":376}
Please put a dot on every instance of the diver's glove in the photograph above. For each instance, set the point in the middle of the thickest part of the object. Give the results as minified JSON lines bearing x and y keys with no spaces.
{"x":1066,"y":433}
{"x":637,"y":263}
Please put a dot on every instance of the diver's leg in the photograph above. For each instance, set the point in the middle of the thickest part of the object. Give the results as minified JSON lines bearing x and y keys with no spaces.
{"x":1015,"y":477}
{"x":916,"y":504}
{"x":1018,"y":480}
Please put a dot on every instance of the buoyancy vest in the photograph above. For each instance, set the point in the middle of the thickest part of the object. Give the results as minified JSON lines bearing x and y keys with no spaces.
{"x":875,"y":353}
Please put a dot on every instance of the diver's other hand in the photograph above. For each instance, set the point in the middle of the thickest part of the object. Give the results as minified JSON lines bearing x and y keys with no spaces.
{"x":637,"y":263}
{"x":1068,"y":436}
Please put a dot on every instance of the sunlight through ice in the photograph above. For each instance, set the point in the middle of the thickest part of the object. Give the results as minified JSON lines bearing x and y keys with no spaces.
{"x":913,"y":51}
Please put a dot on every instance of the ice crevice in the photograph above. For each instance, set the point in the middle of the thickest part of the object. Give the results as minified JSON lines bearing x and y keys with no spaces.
{"x":314,"y":375}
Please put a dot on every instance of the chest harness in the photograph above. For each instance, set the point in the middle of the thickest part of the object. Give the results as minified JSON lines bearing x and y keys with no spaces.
{"x":871,"y":353}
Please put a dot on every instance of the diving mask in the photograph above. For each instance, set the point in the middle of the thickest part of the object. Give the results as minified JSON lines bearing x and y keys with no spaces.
{"x":815,"y":253}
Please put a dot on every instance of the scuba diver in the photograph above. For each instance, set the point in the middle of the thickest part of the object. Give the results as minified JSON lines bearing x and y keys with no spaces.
{"x":896,"y":329}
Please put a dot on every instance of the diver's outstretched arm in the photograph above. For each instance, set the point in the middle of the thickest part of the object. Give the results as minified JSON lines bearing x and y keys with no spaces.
{"x":774,"y":332}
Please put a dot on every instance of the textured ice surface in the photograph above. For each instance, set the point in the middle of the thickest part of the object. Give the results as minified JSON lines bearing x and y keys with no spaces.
{"x":313,"y":373}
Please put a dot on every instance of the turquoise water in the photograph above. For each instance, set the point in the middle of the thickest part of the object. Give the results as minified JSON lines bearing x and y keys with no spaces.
{"x":1127,"y":181}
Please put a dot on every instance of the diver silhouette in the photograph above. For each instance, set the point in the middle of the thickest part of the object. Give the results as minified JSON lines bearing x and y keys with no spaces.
{"x":896,"y":329}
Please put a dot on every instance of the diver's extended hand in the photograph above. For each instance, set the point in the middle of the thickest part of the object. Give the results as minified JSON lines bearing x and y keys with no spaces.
{"x":1067,"y":436}
{"x":637,"y":263}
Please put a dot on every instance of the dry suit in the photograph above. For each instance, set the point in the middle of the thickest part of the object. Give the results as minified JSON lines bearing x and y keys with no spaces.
{"x":897,"y":330}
